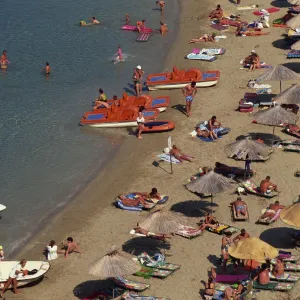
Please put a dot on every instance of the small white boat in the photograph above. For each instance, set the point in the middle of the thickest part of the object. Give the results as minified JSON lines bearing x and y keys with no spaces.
{"x":7,"y":265}
{"x":201,"y":84}
{"x":2,"y":207}
{"x":113,"y":124}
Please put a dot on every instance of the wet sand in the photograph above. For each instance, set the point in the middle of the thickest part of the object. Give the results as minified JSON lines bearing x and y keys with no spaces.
{"x":96,"y":224}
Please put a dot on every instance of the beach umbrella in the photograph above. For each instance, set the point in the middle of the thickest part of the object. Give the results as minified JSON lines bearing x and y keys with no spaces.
{"x":210,"y":183}
{"x":296,"y":46}
{"x":114,"y":263}
{"x":275,"y":116}
{"x":278,"y":73}
{"x":254,"y":249}
{"x":247,"y":149}
{"x":294,"y":22}
{"x":291,"y":215}
{"x":289,"y":96}
{"x":162,"y":221}
{"x":294,"y":2}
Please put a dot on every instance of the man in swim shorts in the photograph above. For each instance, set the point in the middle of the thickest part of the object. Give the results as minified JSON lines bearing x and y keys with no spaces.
{"x":240,"y":207}
{"x":95,"y":21}
{"x":161,"y":5}
{"x":189,"y":92}
{"x":267,"y":187}
{"x":47,"y":69}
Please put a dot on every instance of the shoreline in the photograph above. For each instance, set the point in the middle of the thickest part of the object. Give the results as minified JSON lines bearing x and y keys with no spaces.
{"x":98,"y":228}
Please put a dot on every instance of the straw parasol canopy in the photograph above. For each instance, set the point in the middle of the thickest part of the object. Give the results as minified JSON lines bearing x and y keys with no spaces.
{"x":247,"y":149}
{"x":296,"y":46}
{"x":210,"y":183}
{"x":291,"y":215}
{"x":253,"y":248}
{"x":275,"y":116}
{"x":289,"y":96}
{"x":113,"y":264}
{"x":278,"y":73}
{"x":294,"y":2}
{"x":294,"y":22}
{"x":161,"y":221}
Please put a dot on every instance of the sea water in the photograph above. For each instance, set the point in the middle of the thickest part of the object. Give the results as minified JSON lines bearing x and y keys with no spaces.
{"x":45,"y":157}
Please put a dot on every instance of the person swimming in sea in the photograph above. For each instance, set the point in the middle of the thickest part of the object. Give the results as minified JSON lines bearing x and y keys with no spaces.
{"x":119,"y":54}
{"x":47,"y":69}
{"x":3,"y":60}
{"x":94,"y":21}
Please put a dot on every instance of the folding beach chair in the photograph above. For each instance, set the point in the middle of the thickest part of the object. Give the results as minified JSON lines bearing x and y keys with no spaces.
{"x":252,"y":188}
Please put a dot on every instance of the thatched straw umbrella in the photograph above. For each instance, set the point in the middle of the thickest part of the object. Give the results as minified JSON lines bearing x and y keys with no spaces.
{"x":210,"y":183}
{"x":247,"y":149}
{"x":279,"y":73}
{"x":294,"y":22}
{"x":296,"y":46}
{"x":113,"y":264}
{"x":294,"y":2}
{"x":254,"y":249}
{"x":289,"y":96}
{"x":275,"y":116}
{"x":291,"y":215}
{"x":162,"y":221}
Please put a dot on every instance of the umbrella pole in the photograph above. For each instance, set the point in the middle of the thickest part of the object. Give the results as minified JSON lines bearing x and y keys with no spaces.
{"x":211,"y":202}
{"x":280,"y":85}
{"x":273,"y":136}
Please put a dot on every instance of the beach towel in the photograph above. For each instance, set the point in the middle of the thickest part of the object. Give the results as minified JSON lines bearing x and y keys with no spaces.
{"x":246,"y":7}
{"x":223,"y":228}
{"x":265,"y":11}
{"x":274,"y":286}
{"x":292,"y":267}
{"x":293,"y":54}
{"x":201,"y":56}
{"x":166,"y":157}
{"x":189,"y":232}
{"x":131,"y":296}
{"x":150,"y":272}
{"x":252,"y":188}
{"x":228,"y":278}
{"x":130,"y":284}
{"x":210,"y":51}
{"x":130,"y":208}
{"x":286,"y":277}
{"x":292,"y":148}
{"x":157,"y":261}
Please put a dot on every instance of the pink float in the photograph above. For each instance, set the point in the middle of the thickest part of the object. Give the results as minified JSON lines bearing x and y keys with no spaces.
{"x":134,"y":28}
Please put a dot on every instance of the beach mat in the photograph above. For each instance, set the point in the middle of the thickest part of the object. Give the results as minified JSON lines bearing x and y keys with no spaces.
{"x":205,"y":139}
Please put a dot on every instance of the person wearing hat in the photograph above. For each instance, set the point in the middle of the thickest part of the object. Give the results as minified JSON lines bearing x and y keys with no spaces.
{"x":1,"y":253}
{"x":137,"y":79}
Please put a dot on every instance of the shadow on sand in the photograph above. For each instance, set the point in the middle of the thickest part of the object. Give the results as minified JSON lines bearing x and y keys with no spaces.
{"x":266,"y":137}
{"x":284,"y":43}
{"x":295,"y":66}
{"x":137,"y":245}
{"x":278,"y":237}
{"x":280,"y":3}
{"x":193,"y":208}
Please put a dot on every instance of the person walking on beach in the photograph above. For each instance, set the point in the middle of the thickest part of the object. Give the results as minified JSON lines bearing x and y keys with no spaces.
{"x":189,"y":92}
{"x":47,"y":69}
{"x":161,"y":5}
{"x":137,"y":80}
{"x":140,"y":121}
{"x":12,"y":279}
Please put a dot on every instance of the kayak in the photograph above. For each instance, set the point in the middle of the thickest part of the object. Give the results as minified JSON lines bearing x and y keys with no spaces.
{"x":134,"y":28}
{"x":158,"y":126}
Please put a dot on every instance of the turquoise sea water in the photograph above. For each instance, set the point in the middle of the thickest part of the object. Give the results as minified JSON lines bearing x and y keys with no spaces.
{"x":45,"y":157}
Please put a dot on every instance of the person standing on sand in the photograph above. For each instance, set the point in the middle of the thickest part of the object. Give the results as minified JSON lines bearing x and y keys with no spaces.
{"x":141,"y":122}
{"x":12,"y":279}
{"x":137,"y":80}
{"x":189,"y":92}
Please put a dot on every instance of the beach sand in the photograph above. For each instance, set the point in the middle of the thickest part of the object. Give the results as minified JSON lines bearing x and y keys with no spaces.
{"x":92,"y":220}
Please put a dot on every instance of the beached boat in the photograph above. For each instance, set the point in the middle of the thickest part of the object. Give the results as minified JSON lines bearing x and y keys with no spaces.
{"x":180,"y":78}
{"x":161,"y":102}
{"x":2,"y":207}
{"x":6,"y":266}
{"x":114,"y":118}
{"x":134,"y":28}
{"x":158,"y":126}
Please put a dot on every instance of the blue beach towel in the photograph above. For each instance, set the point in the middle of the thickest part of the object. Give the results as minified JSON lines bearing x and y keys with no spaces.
{"x":205,"y":139}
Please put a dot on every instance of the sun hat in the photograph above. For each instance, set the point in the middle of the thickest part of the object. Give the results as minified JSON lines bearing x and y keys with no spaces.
{"x":253,"y":51}
{"x":139,"y":67}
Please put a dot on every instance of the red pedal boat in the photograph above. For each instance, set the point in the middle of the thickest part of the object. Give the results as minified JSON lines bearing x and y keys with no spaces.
{"x":161,"y":102}
{"x":180,"y":78}
{"x":116,"y":117}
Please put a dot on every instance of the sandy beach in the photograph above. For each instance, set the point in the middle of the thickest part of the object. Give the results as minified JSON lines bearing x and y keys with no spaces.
{"x":96,"y":224}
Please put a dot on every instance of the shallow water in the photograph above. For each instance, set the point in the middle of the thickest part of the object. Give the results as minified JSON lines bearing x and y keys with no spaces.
{"x":45,"y":157}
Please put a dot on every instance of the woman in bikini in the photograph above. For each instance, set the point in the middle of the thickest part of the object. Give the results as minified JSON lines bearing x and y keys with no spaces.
{"x":140,"y":122}
{"x":226,"y":241}
{"x":209,"y":221}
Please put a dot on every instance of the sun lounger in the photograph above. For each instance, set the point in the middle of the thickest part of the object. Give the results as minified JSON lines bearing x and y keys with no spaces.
{"x":293,"y":54}
{"x":131,"y":296}
{"x":292,"y":148}
{"x":228,"y":278}
{"x":252,"y":188}
{"x":189,"y":232}
{"x":222,"y":229}
{"x":210,"y":51}
{"x":235,"y":217}
{"x":274,"y":286}
{"x":152,"y":272}
{"x":292,"y":267}
{"x":146,"y":260}
{"x":130,"y":284}
{"x":285,"y":278}
{"x":267,"y":221}
{"x":221,"y":287}
{"x":286,"y":257}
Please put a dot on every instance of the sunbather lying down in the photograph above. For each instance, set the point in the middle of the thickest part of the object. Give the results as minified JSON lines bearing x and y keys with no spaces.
{"x":158,"y":236}
{"x":206,"y":134}
{"x":135,"y":202}
{"x":204,"y":38}
{"x":271,"y":211}
{"x":209,"y":221}
{"x":240,"y":207}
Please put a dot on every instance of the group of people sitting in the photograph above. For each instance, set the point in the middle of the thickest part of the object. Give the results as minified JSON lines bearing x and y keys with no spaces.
{"x":207,"y":129}
{"x":252,"y":61}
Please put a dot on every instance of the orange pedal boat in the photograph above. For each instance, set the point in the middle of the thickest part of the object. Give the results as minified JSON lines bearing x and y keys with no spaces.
{"x":161,"y":102}
{"x":116,"y":117}
{"x":180,"y":78}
